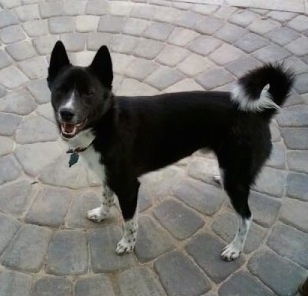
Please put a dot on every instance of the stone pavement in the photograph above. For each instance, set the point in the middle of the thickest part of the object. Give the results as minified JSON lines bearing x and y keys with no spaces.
{"x":48,"y":247}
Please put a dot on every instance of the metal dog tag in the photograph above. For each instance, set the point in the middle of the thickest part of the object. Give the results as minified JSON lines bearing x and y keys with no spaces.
{"x":73,"y":159}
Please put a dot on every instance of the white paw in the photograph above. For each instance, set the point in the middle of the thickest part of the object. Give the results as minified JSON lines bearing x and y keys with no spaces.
{"x":97,"y":215}
{"x":230,"y":252}
{"x":125,"y":246}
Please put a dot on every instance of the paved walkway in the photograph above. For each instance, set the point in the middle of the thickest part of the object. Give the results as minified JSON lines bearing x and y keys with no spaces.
{"x":47,"y":247}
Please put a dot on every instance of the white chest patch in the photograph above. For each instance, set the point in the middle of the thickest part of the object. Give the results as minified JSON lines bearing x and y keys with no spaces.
{"x":90,"y":156}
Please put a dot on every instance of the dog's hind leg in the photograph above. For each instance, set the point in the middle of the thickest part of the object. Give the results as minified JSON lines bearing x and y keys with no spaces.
{"x":102,"y":212}
{"x":238,"y":193}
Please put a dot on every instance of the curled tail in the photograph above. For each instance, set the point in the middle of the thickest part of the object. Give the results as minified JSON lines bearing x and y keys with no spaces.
{"x":263,"y":90}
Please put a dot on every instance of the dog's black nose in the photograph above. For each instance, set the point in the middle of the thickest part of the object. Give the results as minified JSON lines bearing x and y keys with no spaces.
{"x":67,"y":114}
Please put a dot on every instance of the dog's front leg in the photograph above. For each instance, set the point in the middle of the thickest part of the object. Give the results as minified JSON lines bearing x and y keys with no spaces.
{"x":127,"y":196}
{"x":128,"y":241}
{"x":102,"y":212}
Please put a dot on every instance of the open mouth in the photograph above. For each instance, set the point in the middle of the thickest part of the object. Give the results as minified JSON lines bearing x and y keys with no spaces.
{"x":70,"y":130}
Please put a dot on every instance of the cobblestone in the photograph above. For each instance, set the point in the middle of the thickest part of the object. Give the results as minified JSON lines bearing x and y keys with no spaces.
{"x":204,"y":45}
{"x":27,"y":12}
{"x":282,"y":35}
{"x":158,"y":31}
{"x":124,"y":44}
{"x":34,"y":68}
{"x":289,"y":242}
{"x":14,"y":198}
{"x":51,"y":9}
{"x":213,"y":78}
{"x":195,"y":64}
{"x":21,"y":51}
{"x":110,"y":23}
{"x":51,"y":286}
{"x":102,"y":249}
{"x":93,"y":285}
{"x":8,"y":227}
{"x":209,"y":25}
{"x":152,"y":241}
{"x":230,"y":33}
{"x":12,"y":34}
{"x":243,"y":17}
{"x":9,"y":169}
{"x":74,"y":41}
{"x":164,"y":77}
{"x":8,"y":18}
{"x":295,"y":138}
{"x":299,"y":23}
{"x":18,"y":102}
{"x":36,"y":28}
{"x":251,"y":42}
{"x":182,"y":36}
{"x":225,"y":54}
{"x":27,"y":250}
{"x":297,"y":161}
{"x":6,"y":145}
{"x":175,"y":266}
{"x":205,"y":249}
{"x":172,"y":55}
{"x":271,"y":268}
{"x":241,"y":283}
{"x":44,"y":44}
{"x":297,"y":186}
{"x":5,"y":59}
{"x":60,"y":24}
{"x":293,"y":116}
{"x":73,"y":244}
{"x":180,"y":221}
{"x":86,"y":23}
{"x":140,"y":69}
{"x":12,"y":78}
{"x":50,"y":207}
{"x":97,"y":7}
{"x":203,"y":197}
{"x":299,"y":46}
{"x":38,"y":89}
{"x":8,"y":123}
{"x":134,"y":26}
{"x":293,"y":212}
{"x":36,"y":129}
{"x":271,"y":53}
{"x":276,"y":186}
{"x":139,"y":280}
{"x":15,"y":283}
{"x":242,"y":66}
{"x":148,"y":49}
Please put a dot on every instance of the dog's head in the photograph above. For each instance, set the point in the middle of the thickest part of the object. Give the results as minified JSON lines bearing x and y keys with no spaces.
{"x":79,"y":95}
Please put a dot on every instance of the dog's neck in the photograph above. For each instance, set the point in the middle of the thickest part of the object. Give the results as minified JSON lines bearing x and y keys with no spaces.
{"x":81,"y":141}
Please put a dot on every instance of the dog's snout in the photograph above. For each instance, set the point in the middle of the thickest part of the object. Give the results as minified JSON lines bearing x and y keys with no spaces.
{"x":67,"y":114}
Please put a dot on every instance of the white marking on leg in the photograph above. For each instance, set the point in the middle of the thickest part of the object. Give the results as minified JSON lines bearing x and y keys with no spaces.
{"x":128,"y":241}
{"x":233,"y":250}
{"x":102,"y":212}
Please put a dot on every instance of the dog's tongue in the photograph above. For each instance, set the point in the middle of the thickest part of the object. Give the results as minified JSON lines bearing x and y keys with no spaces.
{"x":68,"y":128}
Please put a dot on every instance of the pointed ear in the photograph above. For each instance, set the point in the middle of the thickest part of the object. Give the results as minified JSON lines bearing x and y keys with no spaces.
{"x":102,"y":66}
{"x":58,"y":60}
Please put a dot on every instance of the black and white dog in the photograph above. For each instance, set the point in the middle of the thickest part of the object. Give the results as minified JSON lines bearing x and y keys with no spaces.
{"x":122,"y":138}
